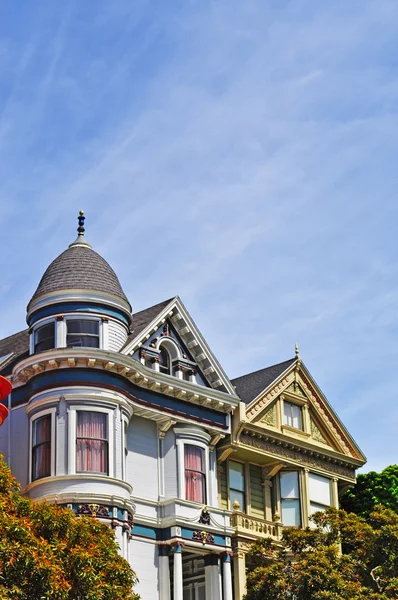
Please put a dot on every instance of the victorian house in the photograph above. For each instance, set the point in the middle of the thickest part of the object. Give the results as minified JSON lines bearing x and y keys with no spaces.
{"x":130,"y":418}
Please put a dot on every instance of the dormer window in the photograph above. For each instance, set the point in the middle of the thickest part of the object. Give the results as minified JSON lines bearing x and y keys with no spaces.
{"x":44,"y":338}
{"x":165,"y":361}
{"x":292,"y":415}
{"x":82,"y":333}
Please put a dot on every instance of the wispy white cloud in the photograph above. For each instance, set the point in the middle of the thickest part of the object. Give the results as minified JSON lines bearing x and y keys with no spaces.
{"x":239,"y":154}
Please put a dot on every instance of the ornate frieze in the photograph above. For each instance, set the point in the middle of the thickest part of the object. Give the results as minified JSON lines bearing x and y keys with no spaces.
{"x":269,"y":417}
{"x":304,"y":457}
{"x":203,"y":536}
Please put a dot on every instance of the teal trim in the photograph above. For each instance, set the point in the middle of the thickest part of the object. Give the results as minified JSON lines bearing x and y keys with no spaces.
{"x":70,"y":307}
{"x":188,"y":534}
{"x":145,"y":531}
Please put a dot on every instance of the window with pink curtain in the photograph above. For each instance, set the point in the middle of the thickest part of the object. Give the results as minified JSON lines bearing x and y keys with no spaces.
{"x":91,"y":442}
{"x":41,"y":447}
{"x":195,"y":479}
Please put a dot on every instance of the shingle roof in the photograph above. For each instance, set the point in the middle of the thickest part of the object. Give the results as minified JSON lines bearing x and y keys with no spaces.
{"x":142,"y":318}
{"x":17,"y":345}
{"x":79,"y":267}
{"x":251,"y":385}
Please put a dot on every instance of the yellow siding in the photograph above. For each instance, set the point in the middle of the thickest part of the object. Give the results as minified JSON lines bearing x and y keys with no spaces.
{"x":256,"y":492}
{"x":223,"y":485}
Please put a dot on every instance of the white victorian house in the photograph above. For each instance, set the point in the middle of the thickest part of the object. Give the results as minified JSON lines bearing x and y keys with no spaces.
{"x":117,"y":415}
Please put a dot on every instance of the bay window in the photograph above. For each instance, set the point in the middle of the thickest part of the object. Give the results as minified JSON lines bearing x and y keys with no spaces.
{"x":319,"y":492}
{"x":82,"y":333}
{"x":195,"y":477}
{"x":41,"y":447}
{"x":237,"y":484}
{"x":91,"y":442}
{"x":44,"y":338}
{"x":290,"y":498}
{"x":292,"y":415}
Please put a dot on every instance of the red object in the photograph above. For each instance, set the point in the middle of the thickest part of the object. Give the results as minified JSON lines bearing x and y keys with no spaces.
{"x":5,"y":389}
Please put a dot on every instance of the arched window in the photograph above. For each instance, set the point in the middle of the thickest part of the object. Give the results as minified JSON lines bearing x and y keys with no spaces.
{"x":165,"y":361}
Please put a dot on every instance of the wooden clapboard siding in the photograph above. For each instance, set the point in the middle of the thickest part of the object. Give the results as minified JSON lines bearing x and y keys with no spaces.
{"x":223,"y":485}
{"x":256,"y":492}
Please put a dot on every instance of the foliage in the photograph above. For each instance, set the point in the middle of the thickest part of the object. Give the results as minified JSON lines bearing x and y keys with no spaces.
{"x":371,"y":489}
{"x":308,"y":564}
{"x":48,"y":553}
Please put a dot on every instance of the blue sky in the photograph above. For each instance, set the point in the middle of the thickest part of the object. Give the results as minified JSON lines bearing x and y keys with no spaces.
{"x":240,"y":154}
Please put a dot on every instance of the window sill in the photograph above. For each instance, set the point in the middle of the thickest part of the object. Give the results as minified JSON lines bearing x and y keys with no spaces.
{"x":290,"y":430}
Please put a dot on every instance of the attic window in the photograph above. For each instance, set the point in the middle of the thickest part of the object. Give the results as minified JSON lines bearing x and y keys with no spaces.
{"x":292,"y":415}
{"x":165,"y":361}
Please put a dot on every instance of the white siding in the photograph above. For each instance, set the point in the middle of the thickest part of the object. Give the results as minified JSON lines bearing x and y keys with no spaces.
{"x":142,"y":458}
{"x":170,"y":465}
{"x":144,"y":560}
{"x":117,"y":336}
{"x":20,"y":445}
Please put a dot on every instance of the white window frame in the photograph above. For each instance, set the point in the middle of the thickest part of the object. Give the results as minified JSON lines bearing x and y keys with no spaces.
{"x":85,"y":317}
{"x":38,"y":415}
{"x":72,"y":431}
{"x":300,"y":496}
{"x":36,"y":326}
{"x":181,"y":443}
{"x":324,"y":506}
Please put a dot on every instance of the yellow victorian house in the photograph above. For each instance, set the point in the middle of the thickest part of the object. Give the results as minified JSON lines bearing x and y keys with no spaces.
{"x":288,"y":456}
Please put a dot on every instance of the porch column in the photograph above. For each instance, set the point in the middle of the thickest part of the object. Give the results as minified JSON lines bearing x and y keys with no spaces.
{"x":227,"y":577}
{"x":164,"y":572}
{"x":239,"y":574}
{"x":212,"y":577}
{"x":177,"y":573}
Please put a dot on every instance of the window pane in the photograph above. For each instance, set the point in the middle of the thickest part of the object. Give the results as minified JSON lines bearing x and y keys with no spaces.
{"x":82,"y":341}
{"x":236,"y":476}
{"x":91,"y":442}
{"x":41,"y":448}
{"x":200,"y":593}
{"x":289,"y":485}
{"x":291,"y":512}
{"x":44,"y":338}
{"x":195,"y":482}
{"x":316,"y":507}
{"x":42,"y":430}
{"x":164,"y":360}
{"x":239,"y":496}
{"x":296,"y":416}
{"x":286,"y":414}
{"x":319,"y":489}
{"x":82,"y":326}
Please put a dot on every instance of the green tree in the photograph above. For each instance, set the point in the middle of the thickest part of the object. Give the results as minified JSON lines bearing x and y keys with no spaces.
{"x":371,"y":489}
{"x":46,"y":552}
{"x":308,"y":564}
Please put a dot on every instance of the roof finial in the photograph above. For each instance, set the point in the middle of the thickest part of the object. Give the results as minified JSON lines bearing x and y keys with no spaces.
{"x":80,"y":240}
{"x":81,"y":218}
{"x":297,"y":351}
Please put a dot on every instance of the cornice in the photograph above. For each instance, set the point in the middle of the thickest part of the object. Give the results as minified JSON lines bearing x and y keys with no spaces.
{"x":125,"y":366}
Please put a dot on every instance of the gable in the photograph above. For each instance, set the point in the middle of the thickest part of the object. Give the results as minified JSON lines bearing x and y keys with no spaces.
{"x":183,"y":329}
{"x":166,"y":335}
{"x":294,"y":406}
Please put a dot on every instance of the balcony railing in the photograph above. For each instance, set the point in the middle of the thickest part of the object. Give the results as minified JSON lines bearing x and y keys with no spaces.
{"x":254,"y":527}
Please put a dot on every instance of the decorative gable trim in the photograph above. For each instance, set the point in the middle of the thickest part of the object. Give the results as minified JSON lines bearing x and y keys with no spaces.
{"x":296,"y":382}
{"x":192,"y":338}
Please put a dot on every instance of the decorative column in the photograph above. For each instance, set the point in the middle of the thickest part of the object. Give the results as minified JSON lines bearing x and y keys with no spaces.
{"x":335,"y":492}
{"x":164,"y":572}
{"x":267,"y":485}
{"x":305,"y":501}
{"x":227,"y":576}
{"x":212,"y":577}
{"x":177,"y":572}
{"x":239,"y":573}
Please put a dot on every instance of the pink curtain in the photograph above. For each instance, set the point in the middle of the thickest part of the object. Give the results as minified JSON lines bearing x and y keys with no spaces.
{"x":194,"y":475}
{"x":91,"y":442}
{"x":41,"y":448}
